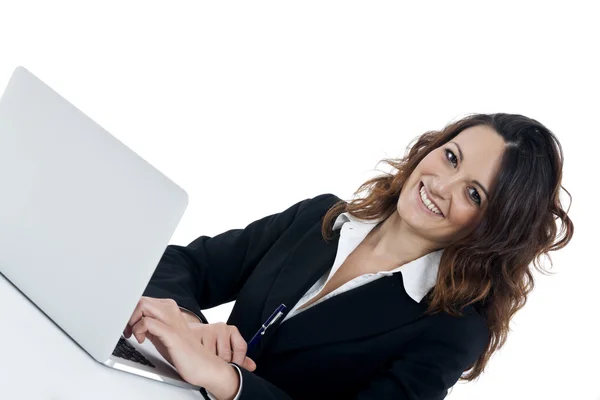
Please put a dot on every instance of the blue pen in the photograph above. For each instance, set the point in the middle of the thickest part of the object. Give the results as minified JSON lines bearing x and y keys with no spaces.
{"x":270,"y":321}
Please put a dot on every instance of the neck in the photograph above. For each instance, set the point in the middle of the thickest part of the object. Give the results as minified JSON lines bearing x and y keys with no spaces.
{"x":394,"y":240}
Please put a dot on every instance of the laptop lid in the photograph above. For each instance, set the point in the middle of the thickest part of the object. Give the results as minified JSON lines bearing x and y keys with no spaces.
{"x":84,"y":220}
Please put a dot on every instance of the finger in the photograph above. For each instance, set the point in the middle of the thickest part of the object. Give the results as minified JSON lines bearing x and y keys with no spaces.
{"x":161,"y":336}
{"x":239,"y":347}
{"x":136,"y":317}
{"x":224,"y":347}
{"x":209,"y":342}
{"x":151,"y":308}
{"x":138,"y":312}
{"x":139,"y":330}
{"x":148,"y":306}
{"x":249,"y":364}
{"x":154,"y":329}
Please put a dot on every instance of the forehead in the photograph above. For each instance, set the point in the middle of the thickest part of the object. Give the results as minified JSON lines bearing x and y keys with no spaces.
{"x":482,"y":149}
{"x":481,"y":137}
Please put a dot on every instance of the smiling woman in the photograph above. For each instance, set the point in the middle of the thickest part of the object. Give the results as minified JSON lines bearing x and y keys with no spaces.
{"x":486,"y":190}
{"x":397,"y":293}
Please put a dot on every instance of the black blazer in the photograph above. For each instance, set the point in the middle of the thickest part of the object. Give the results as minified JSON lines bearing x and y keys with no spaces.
{"x":372,"y":342}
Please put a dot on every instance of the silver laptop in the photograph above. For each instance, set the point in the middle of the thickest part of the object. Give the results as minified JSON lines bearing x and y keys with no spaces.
{"x":84,"y":222}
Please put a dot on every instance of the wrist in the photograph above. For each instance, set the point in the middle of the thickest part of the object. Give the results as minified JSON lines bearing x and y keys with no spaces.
{"x":190,"y":317}
{"x":223,"y":382}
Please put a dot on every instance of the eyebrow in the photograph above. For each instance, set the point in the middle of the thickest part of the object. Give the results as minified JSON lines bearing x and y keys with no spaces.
{"x":460,"y":155}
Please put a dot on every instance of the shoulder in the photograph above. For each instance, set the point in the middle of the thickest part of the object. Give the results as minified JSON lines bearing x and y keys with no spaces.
{"x":325,"y":199}
{"x":469,"y":332}
{"x":318,"y":205}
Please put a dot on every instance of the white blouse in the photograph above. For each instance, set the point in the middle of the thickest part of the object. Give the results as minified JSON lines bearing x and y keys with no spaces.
{"x":419,"y":275}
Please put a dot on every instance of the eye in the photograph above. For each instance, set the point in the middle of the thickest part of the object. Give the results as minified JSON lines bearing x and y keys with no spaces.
{"x":451,"y":158}
{"x":474,"y":195}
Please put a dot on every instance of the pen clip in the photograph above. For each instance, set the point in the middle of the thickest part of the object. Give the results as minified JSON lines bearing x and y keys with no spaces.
{"x":279,"y":314}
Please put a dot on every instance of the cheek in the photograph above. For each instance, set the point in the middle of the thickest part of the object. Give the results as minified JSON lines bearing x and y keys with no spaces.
{"x":431,"y":163}
{"x":464,"y":216}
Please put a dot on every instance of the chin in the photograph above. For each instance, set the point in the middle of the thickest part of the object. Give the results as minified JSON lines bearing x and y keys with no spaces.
{"x":425,"y":227}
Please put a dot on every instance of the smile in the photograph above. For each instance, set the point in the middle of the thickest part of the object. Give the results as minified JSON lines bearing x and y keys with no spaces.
{"x":428,"y":203}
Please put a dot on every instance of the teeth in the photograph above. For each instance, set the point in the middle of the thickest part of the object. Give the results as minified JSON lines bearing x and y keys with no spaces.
{"x":428,"y":202}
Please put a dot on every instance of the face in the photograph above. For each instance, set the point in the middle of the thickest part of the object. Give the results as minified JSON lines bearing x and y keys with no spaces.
{"x":446,"y":195}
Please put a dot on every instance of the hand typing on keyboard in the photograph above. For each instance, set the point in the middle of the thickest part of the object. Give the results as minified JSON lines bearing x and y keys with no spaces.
{"x":221,"y":339}
{"x":199,"y":352}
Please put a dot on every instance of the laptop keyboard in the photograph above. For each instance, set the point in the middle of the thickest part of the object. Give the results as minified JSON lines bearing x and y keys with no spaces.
{"x":128,"y":352}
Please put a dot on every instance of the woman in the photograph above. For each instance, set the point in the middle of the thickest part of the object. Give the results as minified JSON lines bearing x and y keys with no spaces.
{"x":397,"y":294}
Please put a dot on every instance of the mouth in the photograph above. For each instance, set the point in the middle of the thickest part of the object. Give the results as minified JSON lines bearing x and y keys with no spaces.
{"x":427,"y":202}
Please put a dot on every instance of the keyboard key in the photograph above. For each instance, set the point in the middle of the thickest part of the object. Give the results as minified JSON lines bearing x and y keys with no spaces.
{"x":128,"y":352}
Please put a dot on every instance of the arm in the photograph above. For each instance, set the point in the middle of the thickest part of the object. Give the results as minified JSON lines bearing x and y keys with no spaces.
{"x":431,"y":366}
{"x":211,"y":270}
{"x":433,"y":363}
{"x":255,"y":387}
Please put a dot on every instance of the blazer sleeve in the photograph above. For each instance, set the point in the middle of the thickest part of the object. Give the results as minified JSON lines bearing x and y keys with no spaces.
{"x":431,"y":366}
{"x":211,"y":270}
{"x":433,"y":363}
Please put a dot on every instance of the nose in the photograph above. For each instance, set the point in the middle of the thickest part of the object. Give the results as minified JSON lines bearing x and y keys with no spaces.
{"x":442,"y":187}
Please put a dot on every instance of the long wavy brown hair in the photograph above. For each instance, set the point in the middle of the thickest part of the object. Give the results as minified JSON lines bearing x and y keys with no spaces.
{"x":488,"y":268}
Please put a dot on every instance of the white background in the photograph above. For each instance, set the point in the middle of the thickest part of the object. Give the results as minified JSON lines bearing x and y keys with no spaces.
{"x":253,"y":106}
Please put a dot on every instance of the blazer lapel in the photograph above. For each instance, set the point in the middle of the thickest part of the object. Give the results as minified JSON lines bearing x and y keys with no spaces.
{"x":307,"y":262}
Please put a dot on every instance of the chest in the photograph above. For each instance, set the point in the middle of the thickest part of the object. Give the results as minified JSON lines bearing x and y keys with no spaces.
{"x":361,"y":261}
